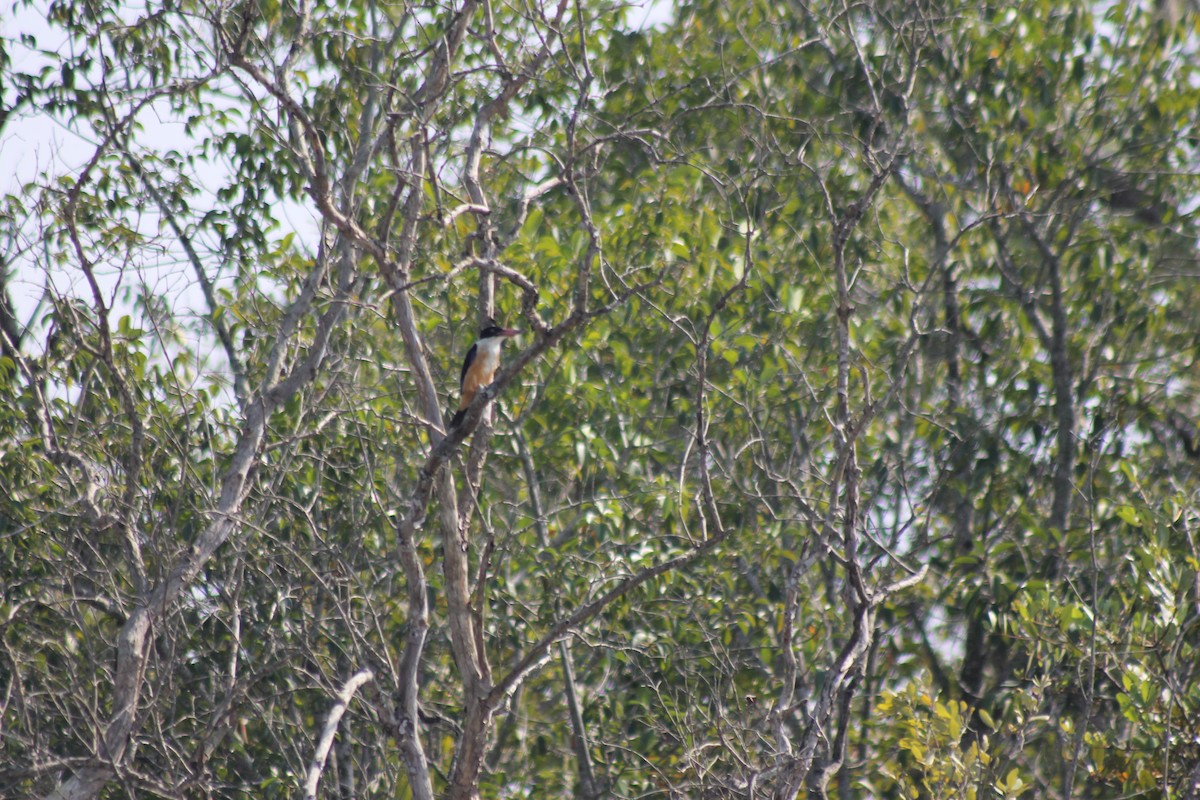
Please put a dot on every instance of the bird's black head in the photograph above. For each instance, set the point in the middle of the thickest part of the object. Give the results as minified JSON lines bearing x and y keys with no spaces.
{"x":492,"y":330}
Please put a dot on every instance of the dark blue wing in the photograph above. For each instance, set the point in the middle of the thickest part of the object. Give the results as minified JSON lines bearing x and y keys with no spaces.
{"x":466,"y":364}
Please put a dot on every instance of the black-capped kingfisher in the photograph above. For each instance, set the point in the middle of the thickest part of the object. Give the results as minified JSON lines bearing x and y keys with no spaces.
{"x":480,"y":365}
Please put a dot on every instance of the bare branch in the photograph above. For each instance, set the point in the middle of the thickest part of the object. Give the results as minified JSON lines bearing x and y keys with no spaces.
{"x":321,"y":752}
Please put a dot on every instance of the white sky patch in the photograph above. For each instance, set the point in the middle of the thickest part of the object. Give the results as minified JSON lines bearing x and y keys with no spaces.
{"x":652,"y":15}
{"x":37,"y":148}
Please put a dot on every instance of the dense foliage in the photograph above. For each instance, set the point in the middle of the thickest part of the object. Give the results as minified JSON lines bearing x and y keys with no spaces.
{"x":851,"y":446}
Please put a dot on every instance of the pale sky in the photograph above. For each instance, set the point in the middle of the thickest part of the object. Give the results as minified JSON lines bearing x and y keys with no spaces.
{"x":35,"y":144}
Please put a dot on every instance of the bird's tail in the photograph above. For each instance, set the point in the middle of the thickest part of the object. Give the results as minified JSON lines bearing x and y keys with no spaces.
{"x":458,"y":417}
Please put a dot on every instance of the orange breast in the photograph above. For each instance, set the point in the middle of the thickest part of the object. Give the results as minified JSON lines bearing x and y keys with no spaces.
{"x":479,"y":374}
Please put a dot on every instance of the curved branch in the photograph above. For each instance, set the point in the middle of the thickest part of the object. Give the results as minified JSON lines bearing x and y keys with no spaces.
{"x":331,"y":723}
{"x":589,"y":611}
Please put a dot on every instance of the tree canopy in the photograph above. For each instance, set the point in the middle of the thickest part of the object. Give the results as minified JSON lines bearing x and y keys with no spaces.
{"x":850,"y":448}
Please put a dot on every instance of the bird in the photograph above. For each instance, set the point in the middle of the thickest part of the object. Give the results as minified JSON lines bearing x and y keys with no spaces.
{"x":480,"y":365}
